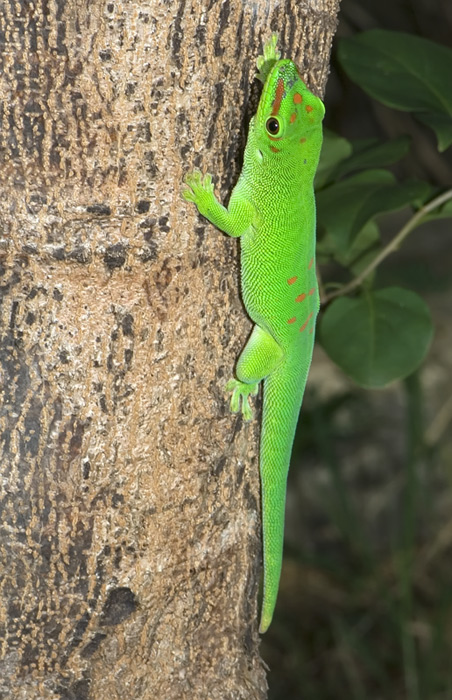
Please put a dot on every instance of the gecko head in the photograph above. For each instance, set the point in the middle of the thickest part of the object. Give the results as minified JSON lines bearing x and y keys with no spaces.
{"x":288,"y":112}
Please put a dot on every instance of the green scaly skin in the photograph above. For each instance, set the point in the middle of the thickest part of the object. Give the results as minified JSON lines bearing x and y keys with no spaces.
{"x":272,"y":209}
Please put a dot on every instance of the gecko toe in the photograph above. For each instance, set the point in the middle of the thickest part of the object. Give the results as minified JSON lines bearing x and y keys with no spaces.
{"x":239,"y":399}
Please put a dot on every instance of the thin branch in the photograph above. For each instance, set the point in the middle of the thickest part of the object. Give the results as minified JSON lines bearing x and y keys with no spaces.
{"x":391,"y":247}
{"x":439,"y":424}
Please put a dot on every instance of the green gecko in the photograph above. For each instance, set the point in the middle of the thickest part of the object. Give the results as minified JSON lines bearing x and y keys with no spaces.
{"x":272,"y":209}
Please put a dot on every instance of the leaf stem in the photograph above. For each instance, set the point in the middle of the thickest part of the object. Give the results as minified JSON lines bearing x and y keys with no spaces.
{"x":393,"y":245}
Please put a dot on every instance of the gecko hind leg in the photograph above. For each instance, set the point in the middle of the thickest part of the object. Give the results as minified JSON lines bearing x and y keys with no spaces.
{"x":258,"y":359}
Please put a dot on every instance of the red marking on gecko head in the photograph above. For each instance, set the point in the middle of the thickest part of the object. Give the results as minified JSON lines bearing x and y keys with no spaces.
{"x":297,"y":99}
{"x":278,"y":97}
{"x":293,"y":117}
{"x":306,"y":322}
{"x":275,"y":150}
{"x":301,"y":297}
{"x":309,"y":108}
{"x":311,"y":330}
{"x":292,"y":280}
{"x":310,"y":263}
{"x":292,"y":320}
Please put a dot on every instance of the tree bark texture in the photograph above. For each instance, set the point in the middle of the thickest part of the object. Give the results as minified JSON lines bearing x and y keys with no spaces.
{"x":129,"y":528}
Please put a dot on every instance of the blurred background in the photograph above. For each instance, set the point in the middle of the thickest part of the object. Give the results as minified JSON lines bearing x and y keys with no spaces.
{"x":365,"y":604}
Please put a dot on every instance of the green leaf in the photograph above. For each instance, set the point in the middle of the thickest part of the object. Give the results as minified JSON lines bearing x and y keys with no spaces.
{"x":345,"y":207}
{"x":378,"y":337}
{"x":374,"y":154}
{"x":358,"y":256}
{"x":334,"y":150}
{"x":441,"y":125}
{"x":405,"y":72}
{"x":367,"y":238}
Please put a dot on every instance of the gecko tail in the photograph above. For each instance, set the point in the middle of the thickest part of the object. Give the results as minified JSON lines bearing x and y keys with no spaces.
{"x":283,"y":395}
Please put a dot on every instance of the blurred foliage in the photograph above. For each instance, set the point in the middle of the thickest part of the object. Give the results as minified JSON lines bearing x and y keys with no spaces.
{"x":374,"y":340}
{"x":354,"y":189}
{"x":405,"y":72}
{"x":365,"y":606}
{"x":365,"y":614}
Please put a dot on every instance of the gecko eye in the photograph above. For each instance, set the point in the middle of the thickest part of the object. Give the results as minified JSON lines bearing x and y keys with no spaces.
{"x":272,"y":126}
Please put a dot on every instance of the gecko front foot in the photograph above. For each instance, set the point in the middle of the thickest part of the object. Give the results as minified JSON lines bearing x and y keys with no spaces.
{"x":240,"y":394}
{"x":200,"y":192}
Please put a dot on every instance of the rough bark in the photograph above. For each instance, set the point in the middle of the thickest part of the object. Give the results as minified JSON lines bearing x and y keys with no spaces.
{"x":129,"y":528}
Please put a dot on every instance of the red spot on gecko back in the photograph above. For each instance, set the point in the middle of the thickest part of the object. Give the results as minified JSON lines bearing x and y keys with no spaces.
{"x":292,"y":320}
{"x":303,"y":140}
{"x":293,"y":117}
{"x":278,"y":97}
{"x":297,"y":98}
{"x":301,"y":297}
{"x":309,"y":108}
{"x":306,"y":322}
{"x":292,"y":280}
{"x":311,"y":291}
{"x":310,"y":263}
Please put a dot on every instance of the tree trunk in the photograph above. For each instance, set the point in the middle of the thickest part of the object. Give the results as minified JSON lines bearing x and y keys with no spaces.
{"x":130,"y":536}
